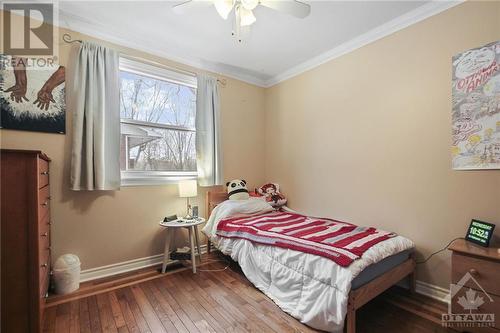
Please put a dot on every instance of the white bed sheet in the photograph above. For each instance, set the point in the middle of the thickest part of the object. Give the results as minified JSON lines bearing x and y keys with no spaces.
{"x":311,"y":288}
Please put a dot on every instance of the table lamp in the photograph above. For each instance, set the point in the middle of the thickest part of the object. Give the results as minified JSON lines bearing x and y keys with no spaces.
{"x":188,"y":189}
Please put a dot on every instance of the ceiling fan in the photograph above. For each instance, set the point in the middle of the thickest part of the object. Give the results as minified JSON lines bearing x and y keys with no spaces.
{"x":243,"y":15}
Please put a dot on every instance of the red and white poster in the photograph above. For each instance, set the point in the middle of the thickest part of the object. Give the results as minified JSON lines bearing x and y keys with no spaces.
{"x":476,"y":108}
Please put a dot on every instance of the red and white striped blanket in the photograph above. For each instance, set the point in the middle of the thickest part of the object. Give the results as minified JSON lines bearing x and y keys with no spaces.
{"x":339,"y":241}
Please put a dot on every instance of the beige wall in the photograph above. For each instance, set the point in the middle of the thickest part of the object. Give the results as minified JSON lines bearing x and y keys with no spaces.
{"x":366,"y":137}
{"x":108,"y":227}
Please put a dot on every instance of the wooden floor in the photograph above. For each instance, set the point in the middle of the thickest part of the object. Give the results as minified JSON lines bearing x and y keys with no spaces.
{"x":221,"y":301}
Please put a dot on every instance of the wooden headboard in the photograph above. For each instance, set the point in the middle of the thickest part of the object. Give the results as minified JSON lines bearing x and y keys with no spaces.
{"x":213,"y":199}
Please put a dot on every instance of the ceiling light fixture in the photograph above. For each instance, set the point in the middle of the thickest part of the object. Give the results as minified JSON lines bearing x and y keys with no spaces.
{"x":243,"y":10}
{"x":243,"y":15}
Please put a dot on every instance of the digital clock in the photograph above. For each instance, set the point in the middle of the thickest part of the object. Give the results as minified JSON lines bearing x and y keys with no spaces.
{"x":480,"y":232}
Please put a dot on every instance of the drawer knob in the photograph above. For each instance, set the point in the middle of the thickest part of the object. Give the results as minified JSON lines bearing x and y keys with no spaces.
{"x":473,"y":272}
{"x":44,"y":265}
{"x":44,"y":173}
{"x":45,"y":204}
{"x":45,"y":234}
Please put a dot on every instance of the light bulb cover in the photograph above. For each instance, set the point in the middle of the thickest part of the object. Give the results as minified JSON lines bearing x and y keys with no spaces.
{"x":223,"y":7}
{"x":246,"y":17}
{"x":249,"y":4}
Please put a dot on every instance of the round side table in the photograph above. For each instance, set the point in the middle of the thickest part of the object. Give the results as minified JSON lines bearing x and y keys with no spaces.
{"x":192,"y":226}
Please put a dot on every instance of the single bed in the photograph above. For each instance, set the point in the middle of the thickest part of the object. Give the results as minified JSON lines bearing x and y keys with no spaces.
{"x":342,"y":290}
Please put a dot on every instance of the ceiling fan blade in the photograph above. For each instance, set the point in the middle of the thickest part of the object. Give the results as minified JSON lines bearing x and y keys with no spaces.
{"x":291,"y":7}
{"x":190,"y":5}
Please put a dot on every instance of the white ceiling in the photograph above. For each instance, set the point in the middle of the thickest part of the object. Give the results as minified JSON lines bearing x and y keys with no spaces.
{"x":276,"y":47}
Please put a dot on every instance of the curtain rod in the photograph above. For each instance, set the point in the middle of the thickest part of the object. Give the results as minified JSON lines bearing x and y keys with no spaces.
{"x":68,"y":39}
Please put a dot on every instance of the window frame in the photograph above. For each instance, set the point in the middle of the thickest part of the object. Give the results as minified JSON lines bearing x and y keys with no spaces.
{"x":157,"y":72}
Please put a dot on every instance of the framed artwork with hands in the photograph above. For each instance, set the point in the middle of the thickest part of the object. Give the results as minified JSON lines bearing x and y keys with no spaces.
{"x":32,"y":95}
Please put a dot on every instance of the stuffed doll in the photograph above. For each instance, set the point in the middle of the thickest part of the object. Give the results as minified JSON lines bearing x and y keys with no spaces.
{"x":237,"y":189}
{"x":271,"y":192}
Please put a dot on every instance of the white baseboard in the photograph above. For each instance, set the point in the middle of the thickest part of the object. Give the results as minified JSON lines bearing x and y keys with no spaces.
{"x":433,"y":291}
{"x":125,"y":266}
{"x":424,"y":288}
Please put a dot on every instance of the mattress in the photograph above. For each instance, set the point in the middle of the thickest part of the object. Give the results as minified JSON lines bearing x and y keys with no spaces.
{"x":377,"y":269}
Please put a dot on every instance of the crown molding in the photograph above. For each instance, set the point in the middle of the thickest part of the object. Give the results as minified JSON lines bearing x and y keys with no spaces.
{"x":98,"y":30}
{"x":386,"y":29}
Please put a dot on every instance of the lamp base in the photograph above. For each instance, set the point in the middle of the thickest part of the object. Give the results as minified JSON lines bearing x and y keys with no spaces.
{"x":188,"y":211}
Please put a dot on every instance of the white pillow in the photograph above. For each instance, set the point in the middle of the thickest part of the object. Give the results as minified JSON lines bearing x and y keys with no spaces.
{"x":230,"y":208}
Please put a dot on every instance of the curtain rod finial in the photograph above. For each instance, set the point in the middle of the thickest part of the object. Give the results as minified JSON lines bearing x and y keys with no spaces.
{"x":68,"y":39}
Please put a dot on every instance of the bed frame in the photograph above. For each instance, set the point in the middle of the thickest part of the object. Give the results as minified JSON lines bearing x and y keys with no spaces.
{"x":357,"y":297}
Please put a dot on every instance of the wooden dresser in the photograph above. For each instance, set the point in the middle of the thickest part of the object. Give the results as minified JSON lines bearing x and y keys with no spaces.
{"x":25,"y":214}
{"x":483,"y":264}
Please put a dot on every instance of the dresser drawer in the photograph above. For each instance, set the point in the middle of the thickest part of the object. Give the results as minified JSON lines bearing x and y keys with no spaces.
{"x":43,"y":172}
{"x":44,"y":223}
{"x":485,"y":272}
{"x":44,"y":239}
{"x":43,"y":202}
{"x":42,"y":300}
{"x":42,"y":303}
{"x":488,"y":307}
{"x":44,"y":267}
{"x":44,"y":262}
{"x":44,"y":283}
{"x":44,"y":287}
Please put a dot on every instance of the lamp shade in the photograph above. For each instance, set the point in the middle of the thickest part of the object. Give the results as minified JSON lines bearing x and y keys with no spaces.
{"x":188,"y":188}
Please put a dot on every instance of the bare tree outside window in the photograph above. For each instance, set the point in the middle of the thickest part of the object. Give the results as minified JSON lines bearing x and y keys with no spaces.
{"x":157,"y":124}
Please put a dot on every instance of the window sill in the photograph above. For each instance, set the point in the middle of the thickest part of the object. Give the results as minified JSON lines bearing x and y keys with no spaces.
{"x":153,"y":181}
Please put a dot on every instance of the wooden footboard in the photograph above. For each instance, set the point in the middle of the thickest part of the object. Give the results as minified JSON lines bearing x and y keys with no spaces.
{"x":362,"y":295}
{"x":212,"y":200}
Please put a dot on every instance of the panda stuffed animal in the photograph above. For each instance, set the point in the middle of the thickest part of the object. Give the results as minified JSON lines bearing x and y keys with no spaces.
{"x":237,"y":190}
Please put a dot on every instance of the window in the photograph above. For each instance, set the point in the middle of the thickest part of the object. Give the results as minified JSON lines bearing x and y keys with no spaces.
{"x":157,"y":111}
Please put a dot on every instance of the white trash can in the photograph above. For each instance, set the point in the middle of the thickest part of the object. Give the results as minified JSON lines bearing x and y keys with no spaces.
{"x":66,"y":274}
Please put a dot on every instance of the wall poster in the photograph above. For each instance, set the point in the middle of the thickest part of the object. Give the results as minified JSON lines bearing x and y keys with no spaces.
{"x":32,"y":97}
{"x":476,"y":108}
